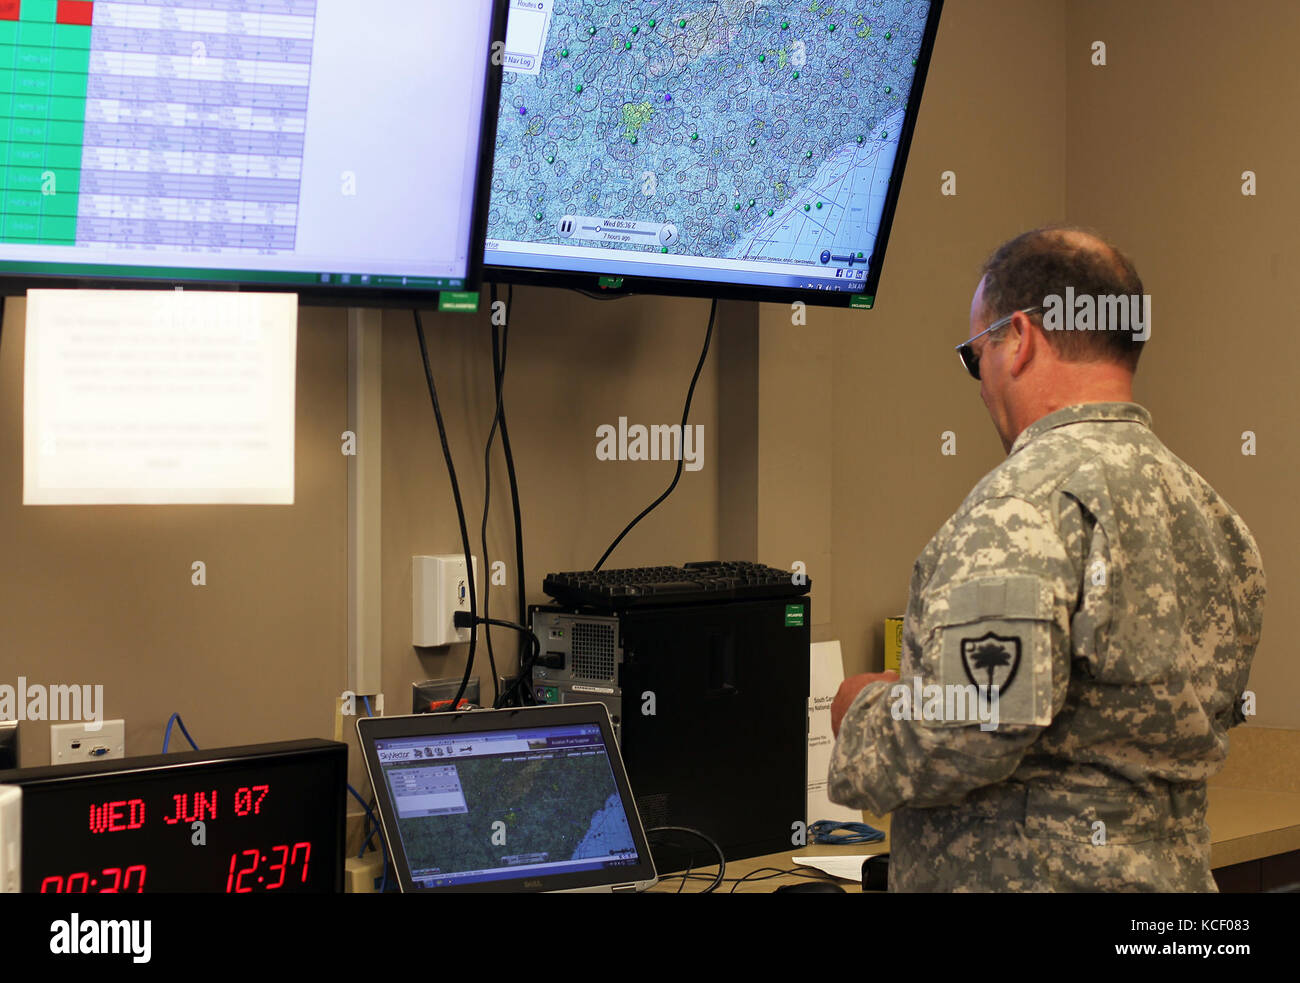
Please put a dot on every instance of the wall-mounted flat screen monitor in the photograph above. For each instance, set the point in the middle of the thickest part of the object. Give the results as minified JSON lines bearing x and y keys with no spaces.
{"x":724,"y":148}
{"x":335,"y":148}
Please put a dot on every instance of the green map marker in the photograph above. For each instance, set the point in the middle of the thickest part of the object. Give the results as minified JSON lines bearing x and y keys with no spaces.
{"x":807,"y":208}
{"x":796,"y":74}
{"x":770,"y":213}
{"x":888,"y":89}
{"x":564,"y":52}
{"x":652,"y":22}
{"x":578,"y":87}
{"x":819,"y":204}
{"x":635,"y":29}
{"x":681,"y":23}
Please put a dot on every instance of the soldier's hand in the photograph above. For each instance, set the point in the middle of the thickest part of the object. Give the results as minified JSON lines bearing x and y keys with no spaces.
{"x":849,"y":690}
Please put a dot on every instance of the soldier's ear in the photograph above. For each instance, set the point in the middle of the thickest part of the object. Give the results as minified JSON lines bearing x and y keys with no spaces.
{"x":1027,"y":341}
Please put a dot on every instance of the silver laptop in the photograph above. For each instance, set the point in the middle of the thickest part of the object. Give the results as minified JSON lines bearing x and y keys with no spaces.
{"x":532,"y":799}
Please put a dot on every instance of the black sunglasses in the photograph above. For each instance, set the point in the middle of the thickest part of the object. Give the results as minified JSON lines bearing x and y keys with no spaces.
{"x":966,"y":351}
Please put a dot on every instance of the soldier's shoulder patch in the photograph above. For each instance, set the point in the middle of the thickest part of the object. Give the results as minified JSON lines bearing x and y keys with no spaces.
{"x":991,"y":635}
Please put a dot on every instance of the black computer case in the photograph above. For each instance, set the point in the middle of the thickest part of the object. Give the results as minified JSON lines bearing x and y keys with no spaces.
{"x":712,"y":706}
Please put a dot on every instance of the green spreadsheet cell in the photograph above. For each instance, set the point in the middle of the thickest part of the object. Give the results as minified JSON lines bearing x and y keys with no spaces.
{"x":29,"y":131}
{"x":29,"y":59}
{"x":39,"y":35}
{"x":27,"y":155}
{"x":31,"y":107}
{"x":25,"y":179}
{"x":8,"y":31}
{"x":22,"y":203}
{"x":40,"y":10}
{"x":65,"y":131}
{"x":70,"y":85}
{"x":67,"y":59}
{"x":31,"y":83}
{"x":24,"y":228}
{"x":69,"y":107}
{"x":55,"y":156}
{"x":43,"y":180}
{"x":73,"y":36}
{"x":55,"y":228}
{"x":6,"y":108}
{"x":60,"y":205}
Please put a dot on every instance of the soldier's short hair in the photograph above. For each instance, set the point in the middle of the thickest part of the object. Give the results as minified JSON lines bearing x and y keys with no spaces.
{"x":1045,"y":261}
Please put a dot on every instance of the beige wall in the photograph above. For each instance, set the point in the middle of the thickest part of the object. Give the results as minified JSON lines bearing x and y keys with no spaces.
{"x":1158,"y":140}
{"x":103,"y":595}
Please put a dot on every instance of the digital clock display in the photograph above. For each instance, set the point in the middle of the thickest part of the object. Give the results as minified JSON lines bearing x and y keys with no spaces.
{"x":268,"y":818}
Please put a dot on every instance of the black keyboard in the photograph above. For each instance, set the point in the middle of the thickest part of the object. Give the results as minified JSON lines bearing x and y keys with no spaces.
{"x":710,"y":580}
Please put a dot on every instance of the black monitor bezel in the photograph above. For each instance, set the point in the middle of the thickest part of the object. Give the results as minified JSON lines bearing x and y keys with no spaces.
{"x":370,"y":729}
{"x":631,"y":284}
{"x":16,"y":284}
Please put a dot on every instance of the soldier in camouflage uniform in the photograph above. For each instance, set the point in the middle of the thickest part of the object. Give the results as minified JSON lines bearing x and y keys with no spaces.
{"x":1112,"y":596}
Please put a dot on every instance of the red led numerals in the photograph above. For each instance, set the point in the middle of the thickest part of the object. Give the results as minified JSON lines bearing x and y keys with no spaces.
{"x":250,"y":800}
{"x":81,"y":882}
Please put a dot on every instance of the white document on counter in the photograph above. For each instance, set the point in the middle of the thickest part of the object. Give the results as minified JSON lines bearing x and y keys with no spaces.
{"x":848,"y":868}
{"x":827,"y":672}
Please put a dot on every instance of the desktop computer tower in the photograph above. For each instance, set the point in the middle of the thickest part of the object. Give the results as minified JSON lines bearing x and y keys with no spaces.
{"x":709,"y":703}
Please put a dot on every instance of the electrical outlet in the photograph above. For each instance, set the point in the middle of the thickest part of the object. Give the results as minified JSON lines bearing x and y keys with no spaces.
{"x":439,"y":588}
{"x":79,"y":742}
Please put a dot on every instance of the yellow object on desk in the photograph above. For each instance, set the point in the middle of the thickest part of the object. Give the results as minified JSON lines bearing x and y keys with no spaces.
{"x":893,"y":643}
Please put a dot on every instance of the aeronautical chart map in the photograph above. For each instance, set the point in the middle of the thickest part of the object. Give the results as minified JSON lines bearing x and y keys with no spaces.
{"x":758,"y":130}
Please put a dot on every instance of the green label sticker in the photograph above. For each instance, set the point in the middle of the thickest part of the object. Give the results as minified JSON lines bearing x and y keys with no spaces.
{"x":458,"y":302}
{"x":794,"y":615}
{"x":861,"y":301}
{"x":610,"y":282}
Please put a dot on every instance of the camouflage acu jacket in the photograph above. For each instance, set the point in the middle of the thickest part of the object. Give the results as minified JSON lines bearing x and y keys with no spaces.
{"x":1113,"y":602}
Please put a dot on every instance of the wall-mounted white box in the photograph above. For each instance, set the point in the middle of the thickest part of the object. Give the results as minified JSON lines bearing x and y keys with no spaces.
{"x":439,"y":588}
{"x":89,"y":741}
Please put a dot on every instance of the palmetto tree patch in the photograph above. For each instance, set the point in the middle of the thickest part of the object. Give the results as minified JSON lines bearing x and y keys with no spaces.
{"x":991,"y":660}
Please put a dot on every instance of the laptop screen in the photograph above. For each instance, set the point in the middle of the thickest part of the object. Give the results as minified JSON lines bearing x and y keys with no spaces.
{"x":515,"y":803}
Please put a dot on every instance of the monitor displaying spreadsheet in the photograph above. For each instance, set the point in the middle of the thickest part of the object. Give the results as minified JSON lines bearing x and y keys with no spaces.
{"x":310,"y":145}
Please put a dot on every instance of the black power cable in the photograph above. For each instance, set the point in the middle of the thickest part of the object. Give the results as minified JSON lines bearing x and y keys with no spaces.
{"x":498,"y":376}
{"x":722,"y":860}
{"x":681,"y":458}
{"x":460,"y":513}
{"x":520,"y":583}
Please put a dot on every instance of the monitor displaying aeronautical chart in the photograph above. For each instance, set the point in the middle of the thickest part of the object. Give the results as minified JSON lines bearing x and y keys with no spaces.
{"x":721,"y":148}
{"x":335,"y":148}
